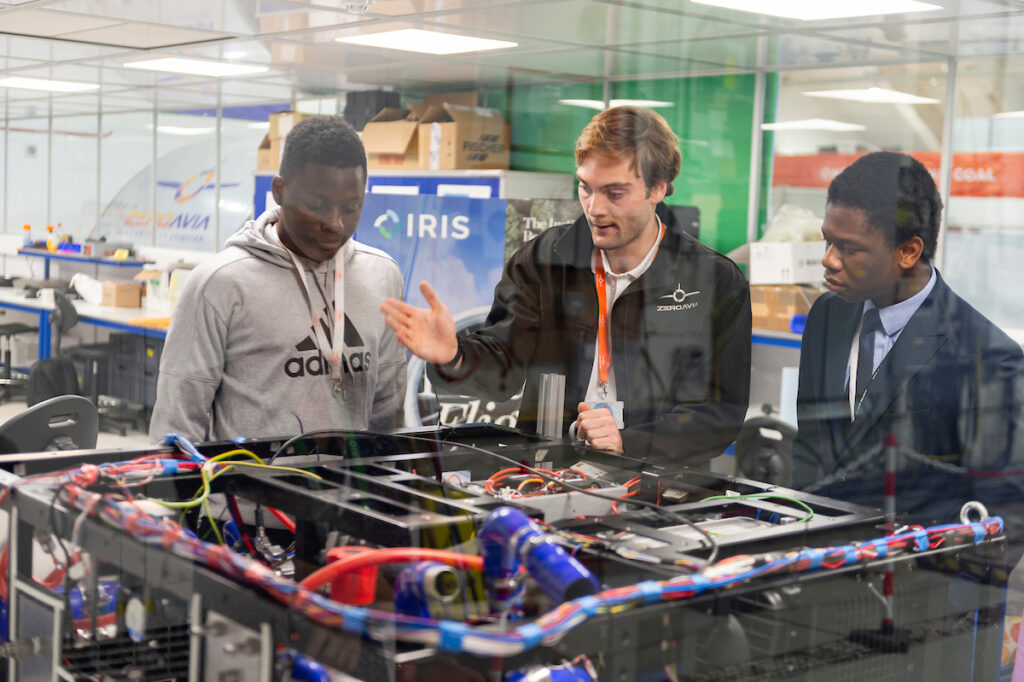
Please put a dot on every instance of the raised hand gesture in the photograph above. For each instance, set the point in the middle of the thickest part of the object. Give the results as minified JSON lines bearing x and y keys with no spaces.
{"x":428,"y":333}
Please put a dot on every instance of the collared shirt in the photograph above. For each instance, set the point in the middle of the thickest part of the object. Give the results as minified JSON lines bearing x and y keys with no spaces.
{"x":894,"y":318}
{"x":614,"y":284}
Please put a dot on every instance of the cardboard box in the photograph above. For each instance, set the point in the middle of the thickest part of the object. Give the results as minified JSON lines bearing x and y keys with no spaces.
{"x":390,"y":140}
{"x":453,"y":136}
{"x":122,"y":294}
{"x":282,"y":123}
{"x":774,"y":306}
{"x":434,"y":135}
{"x":786,"y":262}
{"x":268,"y":156}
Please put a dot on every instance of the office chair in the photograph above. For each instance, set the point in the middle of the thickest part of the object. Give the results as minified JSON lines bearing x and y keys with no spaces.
{"x":67,"y":422}
{"x":8,"y":379}
{"x":55,"y":376}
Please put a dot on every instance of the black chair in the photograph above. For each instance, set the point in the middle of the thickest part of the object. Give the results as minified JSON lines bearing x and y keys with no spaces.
{"x":67,"y":422}
{"x":8,"y":379}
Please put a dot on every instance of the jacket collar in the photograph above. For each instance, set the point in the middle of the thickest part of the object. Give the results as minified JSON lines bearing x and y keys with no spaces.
{"x":576,"y":247}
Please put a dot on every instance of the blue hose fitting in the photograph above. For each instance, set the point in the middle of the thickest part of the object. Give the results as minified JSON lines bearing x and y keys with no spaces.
{"x":507,"y":538}
{"x":424,"y":583}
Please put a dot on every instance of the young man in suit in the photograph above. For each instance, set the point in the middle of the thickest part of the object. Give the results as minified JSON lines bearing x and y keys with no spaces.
{"x":893,"y":353}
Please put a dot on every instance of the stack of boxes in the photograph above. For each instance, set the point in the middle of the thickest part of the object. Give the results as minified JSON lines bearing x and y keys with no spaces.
{"x":443,"y":132}
{"x":269,"y":155}
{"x":785,"y":279}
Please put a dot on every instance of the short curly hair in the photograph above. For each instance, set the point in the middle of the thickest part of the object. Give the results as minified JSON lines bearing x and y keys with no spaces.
{"x":897,"y":195}
{"x":638,"y":133}
{"x":324,"y":140}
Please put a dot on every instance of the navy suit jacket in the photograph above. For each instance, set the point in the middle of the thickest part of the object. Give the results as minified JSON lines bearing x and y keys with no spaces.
{"x":951,"y":390}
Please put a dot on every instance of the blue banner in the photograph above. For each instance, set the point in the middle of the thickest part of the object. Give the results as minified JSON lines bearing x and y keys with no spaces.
{"x":454,"y":243}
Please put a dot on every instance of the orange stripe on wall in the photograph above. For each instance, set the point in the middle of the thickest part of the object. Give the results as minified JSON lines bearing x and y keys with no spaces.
{"x":975,"y":174}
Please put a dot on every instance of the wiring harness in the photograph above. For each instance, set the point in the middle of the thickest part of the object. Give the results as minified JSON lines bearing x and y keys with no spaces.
{"x":121,"y":511}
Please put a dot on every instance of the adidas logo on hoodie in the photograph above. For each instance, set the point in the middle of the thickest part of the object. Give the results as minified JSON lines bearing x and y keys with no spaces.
{"x":312,"y":361}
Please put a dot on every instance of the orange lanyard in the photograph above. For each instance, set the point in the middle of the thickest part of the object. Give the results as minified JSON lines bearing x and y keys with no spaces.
{"x":604,"y":356}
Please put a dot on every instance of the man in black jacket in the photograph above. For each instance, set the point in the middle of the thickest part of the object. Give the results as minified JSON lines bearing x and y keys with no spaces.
{"x":925,"y":370}
{"x":650,"y":328}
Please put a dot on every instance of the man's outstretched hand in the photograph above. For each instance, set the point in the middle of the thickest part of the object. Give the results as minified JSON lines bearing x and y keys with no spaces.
{"x":428,"y":333}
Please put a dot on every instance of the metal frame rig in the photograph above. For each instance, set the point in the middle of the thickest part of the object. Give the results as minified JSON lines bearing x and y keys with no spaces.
{"x":471,"y":552}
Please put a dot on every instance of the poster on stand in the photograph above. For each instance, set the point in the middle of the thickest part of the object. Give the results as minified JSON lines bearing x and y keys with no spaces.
{"x":456,"y":244}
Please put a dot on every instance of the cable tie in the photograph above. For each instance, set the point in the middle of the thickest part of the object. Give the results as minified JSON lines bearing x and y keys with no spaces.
{"x":170,"y":466}
{"x":998,"y":522}
{"x":589,"y":604}
{"x":451,"y":634}
{"x":699,"y":582}
{"x":353,"y":619}
{"x":815,"y":557}
{"x":849,"y":554}
{"x":921,"y":539}
{"x":531,"y":633}
{"x":980,"y":532}
{"x":652,"y":590}
{"x":881,"y":547}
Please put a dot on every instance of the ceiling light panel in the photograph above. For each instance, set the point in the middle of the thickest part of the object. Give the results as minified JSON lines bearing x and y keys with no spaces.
{"x":599,"y":105}
{"x":426,"y":42}
{"x":872,"y":96}
{"x":47,"y":85}
{"x":1009,"y":114}
{"x":819,"y":124}
{"x":817,"y":10}
{"x":197,"y":67}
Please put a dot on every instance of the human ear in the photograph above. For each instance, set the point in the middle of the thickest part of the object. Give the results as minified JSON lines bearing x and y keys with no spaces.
{"x":658,"y":191}
{"x":277,"y":190}
{"x":909,"y":253}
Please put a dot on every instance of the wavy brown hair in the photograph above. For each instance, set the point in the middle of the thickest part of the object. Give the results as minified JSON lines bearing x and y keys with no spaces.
{"x":638,"y":133}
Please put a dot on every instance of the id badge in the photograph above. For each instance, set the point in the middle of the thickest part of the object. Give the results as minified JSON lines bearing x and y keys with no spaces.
{"x":615,"y":407}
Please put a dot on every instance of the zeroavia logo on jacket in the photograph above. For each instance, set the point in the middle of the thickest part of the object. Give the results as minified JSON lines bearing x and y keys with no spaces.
{"x":311,"y":362}
{"x":679,"y":297}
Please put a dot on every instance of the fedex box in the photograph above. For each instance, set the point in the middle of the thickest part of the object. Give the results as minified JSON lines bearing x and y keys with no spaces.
{"x":786,"y":262}
{"x":452,"y":136}
{"x":390,"y":139}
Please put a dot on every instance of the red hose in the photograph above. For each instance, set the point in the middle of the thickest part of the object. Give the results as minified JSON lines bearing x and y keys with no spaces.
{"x":395,"y":555}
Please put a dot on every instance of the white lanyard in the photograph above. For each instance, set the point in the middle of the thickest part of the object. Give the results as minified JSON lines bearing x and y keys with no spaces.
{"x":332,"y":352}
{"x":854,"y":359}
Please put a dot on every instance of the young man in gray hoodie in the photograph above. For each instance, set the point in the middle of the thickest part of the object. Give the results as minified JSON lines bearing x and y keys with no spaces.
{"x":281,"y":332}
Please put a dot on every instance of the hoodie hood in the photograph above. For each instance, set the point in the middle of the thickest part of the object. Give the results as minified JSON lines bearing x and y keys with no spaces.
{"x":259,"y":237}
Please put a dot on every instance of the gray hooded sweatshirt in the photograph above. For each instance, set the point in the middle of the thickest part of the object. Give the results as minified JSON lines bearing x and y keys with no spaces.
{"x":241,"y":356}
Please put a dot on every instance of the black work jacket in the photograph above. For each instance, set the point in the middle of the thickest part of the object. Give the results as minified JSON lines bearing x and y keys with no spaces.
{"x":680,"y":342}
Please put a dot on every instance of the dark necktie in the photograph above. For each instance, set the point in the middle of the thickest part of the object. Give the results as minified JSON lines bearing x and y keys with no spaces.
{"x":865,"y":361}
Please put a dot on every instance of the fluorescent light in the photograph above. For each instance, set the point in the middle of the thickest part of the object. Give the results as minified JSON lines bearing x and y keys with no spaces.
{"x":45,"y":84}
{"x":196,"y":67}
{"x":814,"y":10}
{"x":428,"y":42}
{"x":259,"y":125}
{"x":814,"y":124}
{"x":599,"y":105}
{"x":180,"y":130}
{"x":1010,"y":114}
{"x":873,"y":96}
